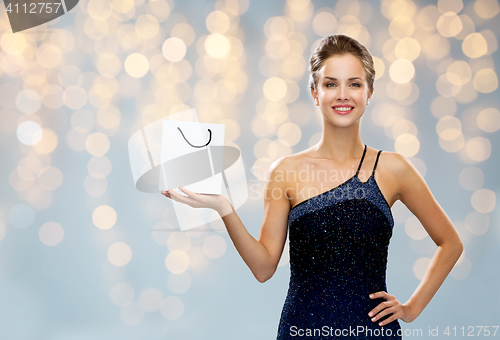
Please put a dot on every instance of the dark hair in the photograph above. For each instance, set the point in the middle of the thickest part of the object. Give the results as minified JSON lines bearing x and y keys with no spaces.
{"x":340,"y":44}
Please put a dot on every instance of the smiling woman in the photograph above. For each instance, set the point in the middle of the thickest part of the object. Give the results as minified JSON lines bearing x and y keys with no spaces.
{"x":339,"y":237}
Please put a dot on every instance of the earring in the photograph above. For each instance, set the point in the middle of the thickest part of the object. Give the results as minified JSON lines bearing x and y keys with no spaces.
{"x":316,"y":101}
{"x":368,"y":102}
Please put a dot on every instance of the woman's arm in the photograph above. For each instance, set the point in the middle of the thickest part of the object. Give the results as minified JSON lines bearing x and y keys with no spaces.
{"x":417,"y":197}
{"x":261,"y":256}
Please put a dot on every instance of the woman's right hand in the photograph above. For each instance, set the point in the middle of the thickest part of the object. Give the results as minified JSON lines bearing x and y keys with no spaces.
{"x":217,"y":202}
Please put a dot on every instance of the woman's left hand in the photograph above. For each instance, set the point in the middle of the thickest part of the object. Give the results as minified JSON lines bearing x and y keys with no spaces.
{"x":391,"y":305}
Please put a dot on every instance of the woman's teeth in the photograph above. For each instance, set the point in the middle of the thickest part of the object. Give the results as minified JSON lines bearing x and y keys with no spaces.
{"x":343,"y":108}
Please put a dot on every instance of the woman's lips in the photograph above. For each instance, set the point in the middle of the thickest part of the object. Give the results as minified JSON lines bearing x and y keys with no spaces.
{"x":343,"y":112}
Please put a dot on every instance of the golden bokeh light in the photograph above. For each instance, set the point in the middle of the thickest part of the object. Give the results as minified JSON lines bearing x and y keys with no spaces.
{"x":13,"y":43}
{"x":119,"y":254}
{"x":403,"y":126}
{"x":177,"y":261}
{"x":51,"y":233}
{"x":486,"y":9}
{"x":445,"y":87}
{"x":478,"y":149}
{"x":459,"y":72}
{"x":407,"y":144}
{"x":453,"y":6}
{"x":48,"y":143}
{"x":485,"y":80}
{"x":452,"y":145}
{"x":104,"y":217}
{"x":217,"y":45}
{"x":407,"y":48}
{"x":136,"y":65}
{"x":289,"y":134}
{"x":427,"y":18}
{"x":449,"y":127}
{"x":488,"y":120}
{"x":484,"y":200}
{"x":436,"y":46}
{"x":299,"y":10}
{"x":185,"y":32}
{"x":324,"y":23}
{"x":275,"y":88}
{"x":99,"y":10}
{"x":474,"y":45}
{"x":174,"y":49}
{"x":218,"y":22}
{"x":97,"y":144}
{"x":449,"y":25}
{"x":402,"y":71}
{"x":147,"y":26}
{"x":401,"y":27}
{"x":278,"y":28}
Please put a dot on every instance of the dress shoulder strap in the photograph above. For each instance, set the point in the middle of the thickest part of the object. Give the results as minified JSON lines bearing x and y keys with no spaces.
{"x":361,"y":162}
{"x":376,"y":161}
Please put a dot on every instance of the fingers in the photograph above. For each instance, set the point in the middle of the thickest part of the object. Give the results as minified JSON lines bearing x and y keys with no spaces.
{"x":391,"y":305}
{"x":381,"y":294}
{"x":178,"y":197}
{"x":383,"y":313}
{"x":186,"y":191}
{"x":388,"y":320}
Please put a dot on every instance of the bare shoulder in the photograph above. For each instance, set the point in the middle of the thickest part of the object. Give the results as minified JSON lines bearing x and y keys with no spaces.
{"x":400,"y":175}
{"x":396,"y":164}
{"x":287,"y":163}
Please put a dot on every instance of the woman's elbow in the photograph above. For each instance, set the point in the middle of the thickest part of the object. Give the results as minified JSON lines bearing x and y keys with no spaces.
{"x":263,"y":277}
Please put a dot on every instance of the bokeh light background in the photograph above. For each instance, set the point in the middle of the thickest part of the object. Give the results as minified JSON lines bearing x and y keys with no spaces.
{"x":83,"y":255}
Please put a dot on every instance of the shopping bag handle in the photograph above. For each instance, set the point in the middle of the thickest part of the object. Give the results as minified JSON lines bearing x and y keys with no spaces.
{"x":194,"y":146}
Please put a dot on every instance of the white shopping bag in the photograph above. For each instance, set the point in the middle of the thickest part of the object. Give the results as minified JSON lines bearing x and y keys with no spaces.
{"x":192,"y":156}
{"x":161,"y":158}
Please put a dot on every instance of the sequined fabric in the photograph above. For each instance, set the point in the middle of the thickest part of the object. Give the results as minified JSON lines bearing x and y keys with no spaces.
{"x":338,"y":255}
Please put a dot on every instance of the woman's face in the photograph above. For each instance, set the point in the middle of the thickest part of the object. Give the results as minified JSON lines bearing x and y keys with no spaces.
{"x":342,"y":90}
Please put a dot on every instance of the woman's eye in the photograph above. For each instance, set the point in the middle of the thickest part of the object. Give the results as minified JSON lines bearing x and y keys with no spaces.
{"x":332,"y":84}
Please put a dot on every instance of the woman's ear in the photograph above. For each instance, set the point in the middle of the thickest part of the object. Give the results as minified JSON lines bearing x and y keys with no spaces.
{"x":314,"y":96}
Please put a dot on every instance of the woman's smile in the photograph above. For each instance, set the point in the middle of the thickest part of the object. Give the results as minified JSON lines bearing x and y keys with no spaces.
{"x":343,"y":109}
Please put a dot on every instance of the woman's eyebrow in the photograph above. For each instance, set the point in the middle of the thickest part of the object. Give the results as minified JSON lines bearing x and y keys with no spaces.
{"x":347,"y":79}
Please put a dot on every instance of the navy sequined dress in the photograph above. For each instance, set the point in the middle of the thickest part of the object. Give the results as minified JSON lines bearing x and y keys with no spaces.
{"x":338,"y":255}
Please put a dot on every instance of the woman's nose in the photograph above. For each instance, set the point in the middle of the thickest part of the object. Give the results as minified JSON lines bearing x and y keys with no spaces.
{"x":342,"y":93}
